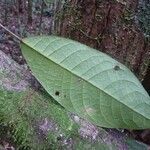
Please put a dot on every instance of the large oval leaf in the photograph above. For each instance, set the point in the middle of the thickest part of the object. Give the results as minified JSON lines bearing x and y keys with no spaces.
{"x":88,"y":82}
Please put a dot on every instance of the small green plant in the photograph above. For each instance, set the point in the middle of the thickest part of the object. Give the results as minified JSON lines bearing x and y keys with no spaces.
{"x":88,"y":82}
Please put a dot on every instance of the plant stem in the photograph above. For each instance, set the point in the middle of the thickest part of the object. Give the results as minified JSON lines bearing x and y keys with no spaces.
{"x":11,"y":33}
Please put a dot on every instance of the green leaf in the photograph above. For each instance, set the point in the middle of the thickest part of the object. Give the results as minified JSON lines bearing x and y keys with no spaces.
{"x":88,"y":82}
{"x":132,"y":144}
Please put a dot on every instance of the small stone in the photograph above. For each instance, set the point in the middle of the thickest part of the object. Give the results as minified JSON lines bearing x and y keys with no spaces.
{"x":76,"y":119}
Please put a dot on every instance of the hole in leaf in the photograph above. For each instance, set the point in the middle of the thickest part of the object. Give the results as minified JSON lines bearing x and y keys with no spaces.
{"x":116,"y":68}
{"x":57,"y":93}
{"x":59,"y":138}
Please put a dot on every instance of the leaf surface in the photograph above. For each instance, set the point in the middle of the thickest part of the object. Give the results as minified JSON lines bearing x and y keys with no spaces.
{"x":88,"y":82}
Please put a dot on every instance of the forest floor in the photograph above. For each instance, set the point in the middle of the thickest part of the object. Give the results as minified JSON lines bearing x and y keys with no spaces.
{"x":10,"y":46}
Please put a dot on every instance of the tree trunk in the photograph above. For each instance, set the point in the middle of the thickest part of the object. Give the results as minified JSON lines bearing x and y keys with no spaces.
{"x":110,"y":26}
{"x":6,"y":12}
{"x":41,"y":16}
{"x":20,"y":6}
{"x":29,"y":12}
